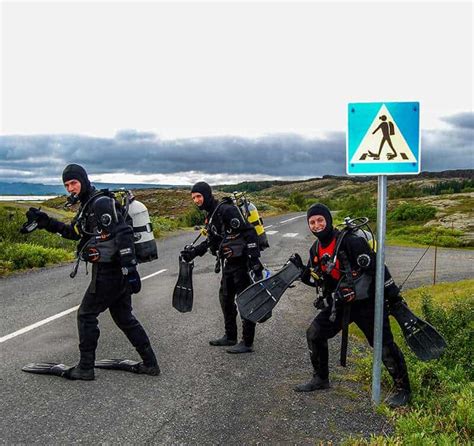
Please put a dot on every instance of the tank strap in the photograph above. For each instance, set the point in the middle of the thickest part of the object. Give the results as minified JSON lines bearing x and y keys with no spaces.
{"x":146,"y":228}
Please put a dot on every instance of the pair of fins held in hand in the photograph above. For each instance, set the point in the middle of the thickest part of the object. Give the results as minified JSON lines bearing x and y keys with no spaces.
{"x":260,"y":298}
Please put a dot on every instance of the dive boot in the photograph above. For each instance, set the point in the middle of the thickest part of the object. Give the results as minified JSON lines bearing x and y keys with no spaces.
{"x":223,"y":342}
{"x":149,"y":366}
{"x":241,"y":347}
{"x":400,"y":398}
{"x":148,"y":370}
{"x":316,"y":383}
{"x":78,"y":373}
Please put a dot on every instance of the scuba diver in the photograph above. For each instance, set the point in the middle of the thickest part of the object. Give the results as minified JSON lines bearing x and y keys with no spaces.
{"x":106,"y":240}
{"x":234,"y":242}
{"x":343,"y":268}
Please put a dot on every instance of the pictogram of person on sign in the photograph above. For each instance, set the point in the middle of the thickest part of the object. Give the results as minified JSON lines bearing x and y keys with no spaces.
{"x":388,"y":129}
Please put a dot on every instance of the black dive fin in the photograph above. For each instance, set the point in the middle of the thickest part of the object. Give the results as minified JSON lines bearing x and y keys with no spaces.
{"x":183,"y":290}
{"x":126,"y":365}
{"x":257,"y":300}
{"x":422,"y":338}
{"x":47,"y":368}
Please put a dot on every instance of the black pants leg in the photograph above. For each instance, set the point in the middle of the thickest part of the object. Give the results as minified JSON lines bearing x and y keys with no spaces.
{"x":392,"y":357}
{"x":317,"y":335}
{"x":229,"y":309}
{"x":121,"y":312}
{"x":235,"y":279}
{"x":362,"y":313}
{"x":107,"y":290}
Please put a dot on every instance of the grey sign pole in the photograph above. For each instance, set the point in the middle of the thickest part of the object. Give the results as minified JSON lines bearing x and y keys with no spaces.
{"x":379,"y":286}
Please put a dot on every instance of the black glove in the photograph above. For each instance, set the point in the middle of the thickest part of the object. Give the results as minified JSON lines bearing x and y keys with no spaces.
{"x":133,"y":279}
{"x":256,"y":268}
{"x":188,"y":254}
{"x":42,"y":218}
{"x":296,"y":260}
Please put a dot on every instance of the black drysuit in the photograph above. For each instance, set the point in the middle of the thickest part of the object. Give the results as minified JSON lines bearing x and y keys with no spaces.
{"x":109,"y":287}
{"x":235,"y":243}
{"x":361,"y":311}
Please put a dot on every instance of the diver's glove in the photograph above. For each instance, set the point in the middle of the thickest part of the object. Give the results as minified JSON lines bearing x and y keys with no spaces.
{"x":189,"y":253}
{"x":296,"y":260}
{"x":256,"y":268}
{"x":133,"y":279}
{"x":41,"y":218}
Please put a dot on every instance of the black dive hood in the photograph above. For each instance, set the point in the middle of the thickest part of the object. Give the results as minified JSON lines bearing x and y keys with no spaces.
{"x":326,"y":235}
{"x":76,"y":172}
{"x":205,"y":190}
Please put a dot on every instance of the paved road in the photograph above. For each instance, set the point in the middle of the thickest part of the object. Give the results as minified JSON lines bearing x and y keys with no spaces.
{"x":204,"y":396}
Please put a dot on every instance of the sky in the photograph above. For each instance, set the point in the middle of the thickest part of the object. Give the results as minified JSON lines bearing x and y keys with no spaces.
{"x":179,"y":92}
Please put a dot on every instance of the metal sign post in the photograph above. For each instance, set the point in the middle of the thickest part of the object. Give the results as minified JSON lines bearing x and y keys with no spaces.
{"x":383,"y":138}
{"x":379,"y":286}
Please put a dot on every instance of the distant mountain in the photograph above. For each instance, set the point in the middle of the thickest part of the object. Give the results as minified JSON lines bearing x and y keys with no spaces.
{"x":58,"y":189}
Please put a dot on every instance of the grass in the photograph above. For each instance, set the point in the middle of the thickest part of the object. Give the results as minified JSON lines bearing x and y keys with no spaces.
{"x":442,"y":409}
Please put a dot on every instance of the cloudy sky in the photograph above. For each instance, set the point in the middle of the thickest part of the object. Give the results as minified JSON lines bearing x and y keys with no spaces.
{"x":178,"y":92}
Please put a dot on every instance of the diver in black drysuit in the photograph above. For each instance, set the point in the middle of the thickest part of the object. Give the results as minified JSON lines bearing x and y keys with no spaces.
{"x":114,"y":274}
{"x":234,"y":241}
{"x":356,"y":256}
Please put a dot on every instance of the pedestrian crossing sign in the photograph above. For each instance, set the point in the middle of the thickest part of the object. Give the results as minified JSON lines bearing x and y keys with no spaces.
{"x":383,"y":138}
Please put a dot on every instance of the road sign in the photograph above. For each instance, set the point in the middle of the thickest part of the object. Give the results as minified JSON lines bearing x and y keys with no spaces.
{"x":383,"y":138}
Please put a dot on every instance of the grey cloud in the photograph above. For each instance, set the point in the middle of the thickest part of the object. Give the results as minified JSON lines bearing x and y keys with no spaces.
{"x":34,"y":158}
{"x":276,"y":155}
{"x":463,"y":120}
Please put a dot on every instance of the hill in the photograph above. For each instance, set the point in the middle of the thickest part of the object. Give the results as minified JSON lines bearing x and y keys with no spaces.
{"x":58,"y":189}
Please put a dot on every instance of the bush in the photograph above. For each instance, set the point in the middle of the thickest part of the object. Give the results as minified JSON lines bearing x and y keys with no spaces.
{"x":297,"y":201}
{"x":455,"y":323}
{"x":16,"y":256}
{"x":163,"y":224}
{"x":194,"y":217}
{"x":412,"y":212}
{"x":358,"y":206}
{"x":434,"y":236}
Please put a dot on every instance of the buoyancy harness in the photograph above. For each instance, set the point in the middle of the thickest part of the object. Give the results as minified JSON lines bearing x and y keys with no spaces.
{"x":98,"y":245}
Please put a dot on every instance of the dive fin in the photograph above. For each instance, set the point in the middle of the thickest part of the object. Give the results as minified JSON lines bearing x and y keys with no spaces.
{"x":422,"y":338}
{"x":47,"y":368}
{"x":126,"y":365}
{"x":183,"y":290}
{"x":259,"y":299}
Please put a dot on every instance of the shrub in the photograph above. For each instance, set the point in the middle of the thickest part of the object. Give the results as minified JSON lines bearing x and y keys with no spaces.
{"x":17,"y":256}
{"x":412,"y":212}
{"x":297,"y":201}
{"x":358,"y":206}
{"x":434,"y":236}
{"x":194,"y":217}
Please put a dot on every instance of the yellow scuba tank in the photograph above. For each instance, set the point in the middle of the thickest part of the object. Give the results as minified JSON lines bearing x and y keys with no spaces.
{"x":250,"y":212}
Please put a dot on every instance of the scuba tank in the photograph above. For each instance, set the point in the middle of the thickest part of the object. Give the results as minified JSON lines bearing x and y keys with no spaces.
{"x":356,"y":226}
{"x":250,"y":212}
{"x":144,"y":239}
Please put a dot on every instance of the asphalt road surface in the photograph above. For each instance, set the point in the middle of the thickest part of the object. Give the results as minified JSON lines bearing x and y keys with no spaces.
{"x":204,"y":395}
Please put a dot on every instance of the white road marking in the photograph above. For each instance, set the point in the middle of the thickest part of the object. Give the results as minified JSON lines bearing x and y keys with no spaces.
{"x":56,"y":316}
{"x":271,"y":232}
{"x":294,"y":218}
{"x":269,"y":226}
{"x":154,"y":274}
{"x":290,"y":234}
